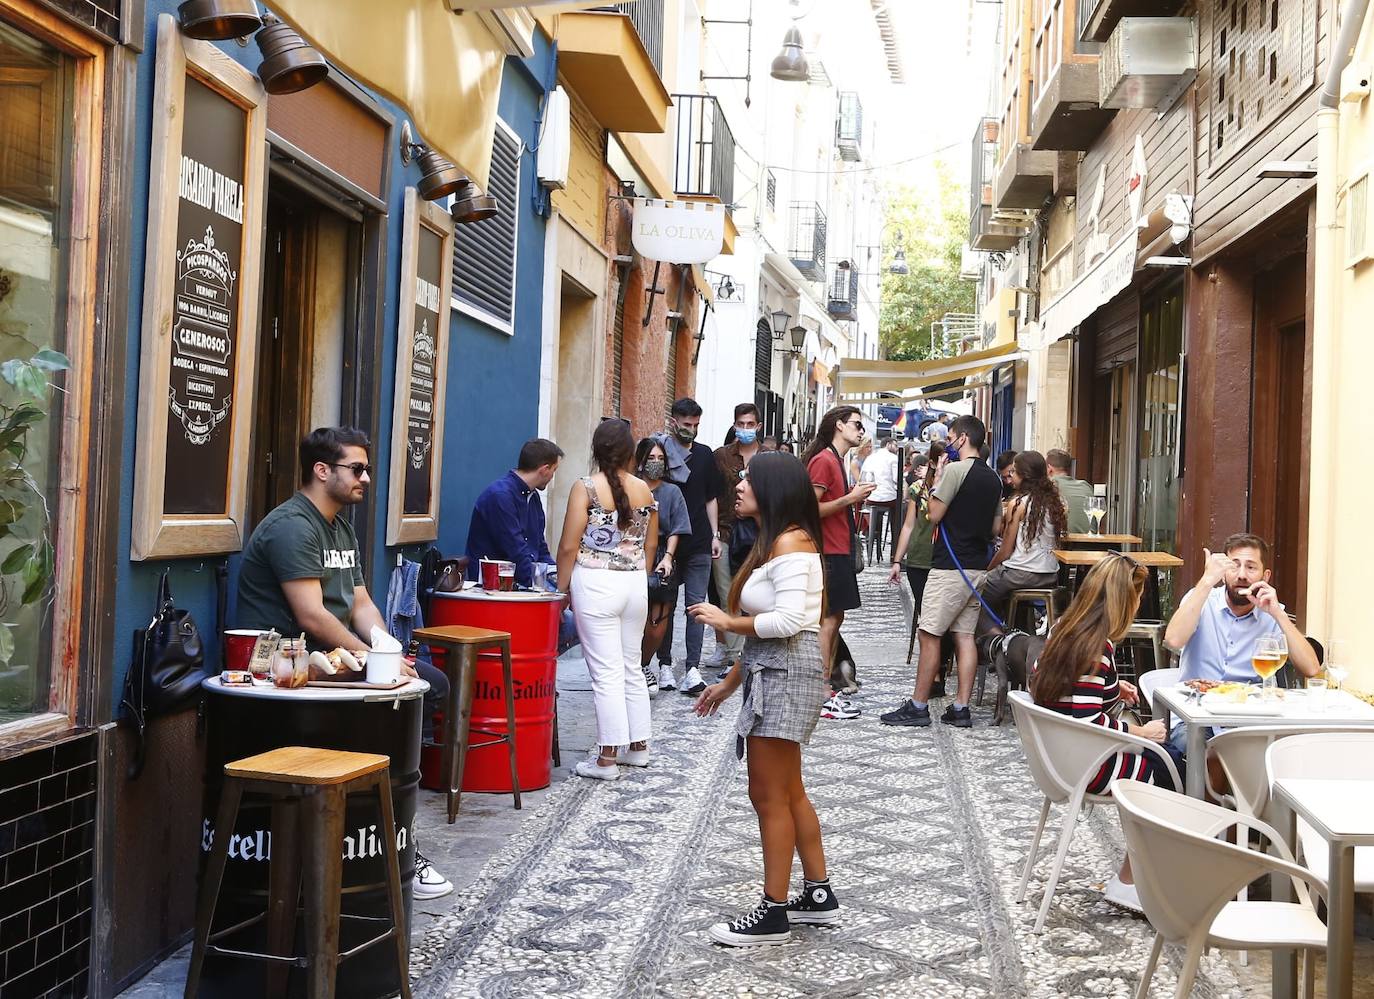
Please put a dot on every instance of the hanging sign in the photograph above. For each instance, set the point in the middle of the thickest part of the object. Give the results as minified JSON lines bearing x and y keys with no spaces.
{"x":200,"y":301}
{"x":678,"y":232}
{"x":417,"y":439}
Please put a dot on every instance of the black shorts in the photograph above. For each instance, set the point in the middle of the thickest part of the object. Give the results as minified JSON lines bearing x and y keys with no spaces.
{"x":841,"y":584}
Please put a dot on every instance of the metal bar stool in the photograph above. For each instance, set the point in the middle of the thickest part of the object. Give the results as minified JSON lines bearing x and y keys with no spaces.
{"x":1151,"y":633}
{"x":461,"y":645}
{"x":317,"y":783}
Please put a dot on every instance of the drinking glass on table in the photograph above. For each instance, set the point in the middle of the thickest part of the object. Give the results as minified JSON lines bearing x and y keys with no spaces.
{"x":1096,"y":508}
{"x":1337,"y":662}
{"x":1268,"y":658}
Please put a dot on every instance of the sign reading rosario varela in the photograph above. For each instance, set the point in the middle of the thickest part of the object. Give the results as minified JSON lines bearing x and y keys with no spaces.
{"x":678,"y":232}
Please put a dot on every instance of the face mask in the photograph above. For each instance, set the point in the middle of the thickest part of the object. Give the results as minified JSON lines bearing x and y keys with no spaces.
{"x":686,"y":434}
{"x":746,"y":436}
{"x":655,"y":469}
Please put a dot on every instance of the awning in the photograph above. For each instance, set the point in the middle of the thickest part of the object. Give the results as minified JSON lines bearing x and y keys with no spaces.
{"x":1099,"y":285}
{"x":444,"y":68}
{"x":859,"y":381}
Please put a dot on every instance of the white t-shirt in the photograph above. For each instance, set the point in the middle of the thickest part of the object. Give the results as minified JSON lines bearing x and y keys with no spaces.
{"x":1034,"y":554}
{"x":882,"y":465}
{"x":784,"y":595}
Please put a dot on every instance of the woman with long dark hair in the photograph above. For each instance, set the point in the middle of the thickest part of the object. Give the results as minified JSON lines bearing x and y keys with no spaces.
{"x":1035,"y":520}
{"x":651,"y":462}
{"x":776,"y":602}
{"x":916,"y":544}
{"x":610,"y":532}
{"x":1076,"y":675}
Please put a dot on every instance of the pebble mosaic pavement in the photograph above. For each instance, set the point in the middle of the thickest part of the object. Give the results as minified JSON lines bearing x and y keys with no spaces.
{"x":609,"y":889}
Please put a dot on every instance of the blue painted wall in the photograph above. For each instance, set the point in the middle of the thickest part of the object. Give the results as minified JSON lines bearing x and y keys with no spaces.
{"x":493,"y":379}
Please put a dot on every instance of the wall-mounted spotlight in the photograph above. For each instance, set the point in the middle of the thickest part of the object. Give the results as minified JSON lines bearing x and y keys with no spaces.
{"x":441,"y":177}
{"x":290,"y":64}
{"x":218,"y":20}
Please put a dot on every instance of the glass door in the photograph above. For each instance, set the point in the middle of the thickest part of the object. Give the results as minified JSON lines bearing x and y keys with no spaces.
{"x":1161,"y":410}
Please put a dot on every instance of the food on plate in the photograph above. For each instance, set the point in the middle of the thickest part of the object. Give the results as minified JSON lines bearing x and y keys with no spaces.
{"x":331,"y":662}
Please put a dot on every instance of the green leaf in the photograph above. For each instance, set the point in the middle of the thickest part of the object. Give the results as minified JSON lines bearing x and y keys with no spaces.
{"x":16,"y":559}
{"x":32,"y":381}
{"x":6,"y":644}
{"x":10,"y":511}
{"x":50,"y":360}
{"x":34,"y":591}
{"x":10,"y":370}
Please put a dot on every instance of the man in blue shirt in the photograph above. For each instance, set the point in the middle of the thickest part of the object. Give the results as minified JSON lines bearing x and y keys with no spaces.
{"x":508,"y":518}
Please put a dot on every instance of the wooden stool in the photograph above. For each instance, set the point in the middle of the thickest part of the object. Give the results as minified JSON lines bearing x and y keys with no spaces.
{"x":318,"y":782}
{"x":461,"y":645}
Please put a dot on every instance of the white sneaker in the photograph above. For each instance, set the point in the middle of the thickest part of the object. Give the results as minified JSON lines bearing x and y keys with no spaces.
{"x":633,"y":757}
{"x":594,"y":770}
{"x":1118,"y":893}
{"x":650,"y":681}
{"x":428,"y":882}
{"x":839,"y":708}
{"x":692,"y":682}
{"x":666,"y":680}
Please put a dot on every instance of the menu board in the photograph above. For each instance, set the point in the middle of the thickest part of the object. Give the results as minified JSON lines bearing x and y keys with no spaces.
{"x":429,"y":254}
{"x":209,"y":241}
{"x":417,"y":435}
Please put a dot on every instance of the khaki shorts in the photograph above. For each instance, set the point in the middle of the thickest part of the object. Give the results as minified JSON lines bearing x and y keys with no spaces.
{"x":948,"y":604}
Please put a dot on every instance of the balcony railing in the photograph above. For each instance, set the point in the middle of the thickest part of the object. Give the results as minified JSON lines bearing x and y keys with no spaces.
{"x":849,"y":127}
{"x":705,"y":161}
{"x":647,"y":17}
{"x":806,"y":239}
{"x":843,"y":300}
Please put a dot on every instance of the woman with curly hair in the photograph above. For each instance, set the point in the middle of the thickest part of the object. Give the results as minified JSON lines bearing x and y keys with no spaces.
{"x":610,"y":532}
{"x":1036,"y":519}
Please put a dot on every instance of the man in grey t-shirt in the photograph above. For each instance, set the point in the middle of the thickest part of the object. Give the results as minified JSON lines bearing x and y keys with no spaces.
{"x":1074,"y":491}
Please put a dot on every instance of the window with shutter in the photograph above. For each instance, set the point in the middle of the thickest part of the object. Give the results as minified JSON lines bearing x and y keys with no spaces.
{"x":617,"y":354}
{"x":484,"y":252}
{"x":763,"y":355}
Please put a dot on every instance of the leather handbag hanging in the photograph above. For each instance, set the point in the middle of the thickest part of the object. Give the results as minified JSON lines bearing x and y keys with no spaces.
{"x":167,"y":668}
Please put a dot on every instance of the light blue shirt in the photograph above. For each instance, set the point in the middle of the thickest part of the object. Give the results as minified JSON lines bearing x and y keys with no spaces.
{"x":1221,"y":646}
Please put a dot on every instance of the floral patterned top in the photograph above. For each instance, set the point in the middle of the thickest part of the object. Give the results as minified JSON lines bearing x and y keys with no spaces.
{"x":604,"y":545}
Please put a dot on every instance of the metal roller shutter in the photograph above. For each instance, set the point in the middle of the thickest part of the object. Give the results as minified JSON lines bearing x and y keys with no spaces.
{"x":484,"y":252}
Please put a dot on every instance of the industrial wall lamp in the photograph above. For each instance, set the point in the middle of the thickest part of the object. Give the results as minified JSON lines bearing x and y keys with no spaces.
{"x":219,"y":20}
{"x":289,"y":63}
{"x":441,"y":177}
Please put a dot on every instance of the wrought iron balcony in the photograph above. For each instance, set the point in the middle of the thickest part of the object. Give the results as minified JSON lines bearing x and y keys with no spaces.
{"x":806,"y":239}
{"x":983,"y":232}
{"x":705,"y":159}
{"x":647,"y":17}
{"x":843,"y":299}
{"x":849,"y":127}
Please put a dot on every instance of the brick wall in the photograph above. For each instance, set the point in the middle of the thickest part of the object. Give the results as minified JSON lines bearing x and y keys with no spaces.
{"x":47,"y":842}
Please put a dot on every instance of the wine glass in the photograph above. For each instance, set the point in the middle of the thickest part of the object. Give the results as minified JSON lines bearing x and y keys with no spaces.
{"x":1096,"y":508}
{"x":1337,"y":662}
{"x":1267,"y":658}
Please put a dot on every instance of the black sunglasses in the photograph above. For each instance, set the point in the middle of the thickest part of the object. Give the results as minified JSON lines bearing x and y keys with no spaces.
{"x":357,"y":468}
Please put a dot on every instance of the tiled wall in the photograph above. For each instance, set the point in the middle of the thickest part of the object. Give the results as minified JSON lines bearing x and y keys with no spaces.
{"x":47,"y":843}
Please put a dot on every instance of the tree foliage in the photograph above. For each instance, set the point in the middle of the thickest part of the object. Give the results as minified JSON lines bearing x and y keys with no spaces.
{"x":933,"y":222}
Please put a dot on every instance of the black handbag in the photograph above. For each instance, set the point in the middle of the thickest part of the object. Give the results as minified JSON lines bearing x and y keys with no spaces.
{"x":167,"y":668}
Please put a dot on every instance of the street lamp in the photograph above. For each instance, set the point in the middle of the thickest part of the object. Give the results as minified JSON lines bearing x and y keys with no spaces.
{"x":898,"y":265}
{"x":780,"y":318}
{"x":798,"y":339}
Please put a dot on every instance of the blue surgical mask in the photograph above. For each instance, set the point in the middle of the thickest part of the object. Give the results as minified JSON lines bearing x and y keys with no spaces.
{"x":746,"y":436}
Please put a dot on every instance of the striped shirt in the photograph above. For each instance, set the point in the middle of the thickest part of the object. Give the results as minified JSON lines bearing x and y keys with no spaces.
{"x":1092,"y":696}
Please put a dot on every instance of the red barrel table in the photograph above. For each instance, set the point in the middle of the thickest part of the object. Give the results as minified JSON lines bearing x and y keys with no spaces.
{"x":532,"y":621}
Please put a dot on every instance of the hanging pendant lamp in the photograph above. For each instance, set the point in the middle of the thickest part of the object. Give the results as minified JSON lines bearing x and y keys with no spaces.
{"x":790,"y":65}
{"x":218,"y":20}
{"x":290,"y":64}
{"x":471,"y":205}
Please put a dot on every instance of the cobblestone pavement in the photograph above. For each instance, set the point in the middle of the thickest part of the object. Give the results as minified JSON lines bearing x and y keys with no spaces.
{"x":608,"y":889}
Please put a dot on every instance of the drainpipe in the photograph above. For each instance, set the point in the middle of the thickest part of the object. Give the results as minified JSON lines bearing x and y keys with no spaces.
{"x":1326,"y":329}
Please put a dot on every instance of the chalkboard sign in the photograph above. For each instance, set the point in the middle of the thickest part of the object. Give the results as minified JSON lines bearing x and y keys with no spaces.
{"x":421,"y":372}
{"x":200,"y":301}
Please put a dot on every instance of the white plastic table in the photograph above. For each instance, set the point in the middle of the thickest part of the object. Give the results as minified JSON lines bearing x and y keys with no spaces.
{"x":1342,"y":813}
{"x":1341,"y":710}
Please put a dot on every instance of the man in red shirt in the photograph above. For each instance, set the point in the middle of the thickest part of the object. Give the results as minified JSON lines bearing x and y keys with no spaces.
{"x":841,"y":428}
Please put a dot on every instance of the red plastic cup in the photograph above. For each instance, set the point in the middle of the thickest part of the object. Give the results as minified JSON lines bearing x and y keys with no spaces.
{"x":239,"y":650}
{"x":491,"y":574}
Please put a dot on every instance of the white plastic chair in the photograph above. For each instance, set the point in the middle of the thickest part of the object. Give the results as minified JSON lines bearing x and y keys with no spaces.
{"x":1149,"y":681}
{"x":1329,"y":756}
{"x":1187,"y":878}
{"x":1064,"y":755}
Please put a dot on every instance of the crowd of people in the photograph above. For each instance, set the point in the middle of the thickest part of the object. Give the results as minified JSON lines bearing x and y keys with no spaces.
{"x":765,"y":548}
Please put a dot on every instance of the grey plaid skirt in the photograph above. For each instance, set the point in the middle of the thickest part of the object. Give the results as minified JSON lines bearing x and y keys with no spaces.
{"x":784,"y":689}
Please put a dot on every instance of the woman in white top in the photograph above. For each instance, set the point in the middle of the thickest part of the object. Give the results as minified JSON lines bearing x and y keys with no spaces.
{"x":776,"y":603}
{"x":1035,"y":521}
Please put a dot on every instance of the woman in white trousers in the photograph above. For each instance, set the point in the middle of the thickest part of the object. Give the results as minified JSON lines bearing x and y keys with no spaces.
{"x":609,"y":533}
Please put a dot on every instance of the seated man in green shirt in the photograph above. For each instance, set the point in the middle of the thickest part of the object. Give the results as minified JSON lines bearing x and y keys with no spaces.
{"x":1074,"y":491}
{"x":302,"y":572}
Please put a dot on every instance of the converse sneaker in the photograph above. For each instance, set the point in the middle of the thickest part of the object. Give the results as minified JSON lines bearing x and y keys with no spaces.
{"x":816,"y":904}
{"x":650,"y":681}
{"x":766,"y":924}
{"x":692,"y":682}
{"x":666,"y":680}
{"x":428,"y":882}
{"x":633,"y":757}
{"x":838,"y":708}
{"x":908,"y":714}
{"x":958,"y":717}
{"x":593,"y":769}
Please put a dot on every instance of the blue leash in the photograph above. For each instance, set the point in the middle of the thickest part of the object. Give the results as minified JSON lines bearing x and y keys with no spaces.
{"x":969,"y":583}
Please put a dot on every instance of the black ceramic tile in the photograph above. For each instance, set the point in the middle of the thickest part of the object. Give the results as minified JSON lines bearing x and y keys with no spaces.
{"x":82,"y":779}
{"x":80,"y":839}
{"x":39,"y":826}
{"x":21,"y":895}
{"x":69,"y":904}
{"x":7,"y":836}
{"x":20,"y":959}
{"x":26,"y":767}
{"x":51,"y":852}
{"x":21,"y":863}
{"x":49,"y":945}
{"x":69,"y":874}
{"x":52,"y":790}
{"x":73,"y":961}
{"x":77,"y":931}
{"x":82,"y":810}
{"x":43,"y":916}
{"x":74,"y":752}
{"x":36,"y":982}
{"x":14,"y":930}
{"x":20,"y":800}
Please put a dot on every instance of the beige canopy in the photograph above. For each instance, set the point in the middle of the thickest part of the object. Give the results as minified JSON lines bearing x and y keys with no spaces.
{"x":859,"y":382}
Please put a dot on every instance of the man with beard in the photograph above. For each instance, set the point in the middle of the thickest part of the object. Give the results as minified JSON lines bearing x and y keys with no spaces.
{"x":302,"y":572}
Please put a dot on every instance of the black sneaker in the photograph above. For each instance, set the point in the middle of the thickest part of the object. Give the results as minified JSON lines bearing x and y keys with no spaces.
{"x":766,"y":924}
{"x":816,"y":904}
{"x":958,"y":717}
{"x":908,"y":714}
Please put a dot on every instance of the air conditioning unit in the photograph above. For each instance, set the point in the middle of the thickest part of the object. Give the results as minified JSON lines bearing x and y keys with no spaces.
{"x":1147,"y":62}
{"x":555,"y":145}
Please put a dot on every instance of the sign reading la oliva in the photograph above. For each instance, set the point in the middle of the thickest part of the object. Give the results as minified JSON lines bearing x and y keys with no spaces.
{"x":679,"y":232}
